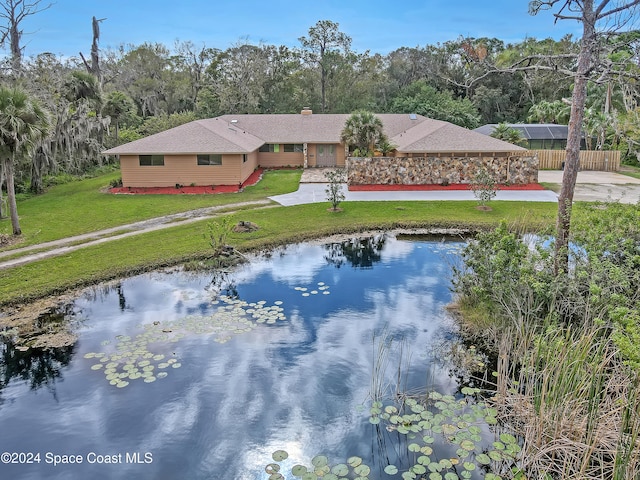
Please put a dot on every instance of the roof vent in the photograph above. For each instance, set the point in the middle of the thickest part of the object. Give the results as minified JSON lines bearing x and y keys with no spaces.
{"x":413,"y":116}
{"x":234,"y":121}
{"x":306,"y":111}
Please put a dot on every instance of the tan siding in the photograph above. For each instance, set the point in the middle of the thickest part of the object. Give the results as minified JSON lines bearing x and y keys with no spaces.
{"x":281,"y":159}
{"x":249,"y":166}
{"x":180,"y":169}
{"x":311,"y":155}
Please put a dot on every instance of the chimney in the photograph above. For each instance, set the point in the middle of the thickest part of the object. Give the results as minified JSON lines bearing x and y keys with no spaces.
{"x":306,"y":111}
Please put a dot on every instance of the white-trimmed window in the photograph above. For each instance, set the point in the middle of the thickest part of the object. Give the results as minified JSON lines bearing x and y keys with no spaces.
{"x":210,"y":159}
{"x":151,"y":160}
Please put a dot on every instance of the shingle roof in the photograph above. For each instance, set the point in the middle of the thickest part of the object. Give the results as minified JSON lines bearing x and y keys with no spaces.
{"x":436,"y":136}
{"x":246,"y":133}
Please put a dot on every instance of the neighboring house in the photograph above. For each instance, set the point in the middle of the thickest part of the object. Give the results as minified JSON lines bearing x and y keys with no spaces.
{"x":225,"y":150}
{"x":539,"y":136}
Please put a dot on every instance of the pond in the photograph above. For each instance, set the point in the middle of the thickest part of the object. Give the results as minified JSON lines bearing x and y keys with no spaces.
{"x":198,"y":375}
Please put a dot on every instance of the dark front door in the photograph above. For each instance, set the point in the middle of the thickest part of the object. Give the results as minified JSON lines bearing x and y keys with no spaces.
{"x":326,"y":155}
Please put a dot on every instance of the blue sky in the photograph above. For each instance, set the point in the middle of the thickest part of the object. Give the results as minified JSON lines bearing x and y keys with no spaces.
{"x":377,"y":25}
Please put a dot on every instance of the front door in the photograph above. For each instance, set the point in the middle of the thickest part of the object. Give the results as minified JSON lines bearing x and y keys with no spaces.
{"x":326,"y":155}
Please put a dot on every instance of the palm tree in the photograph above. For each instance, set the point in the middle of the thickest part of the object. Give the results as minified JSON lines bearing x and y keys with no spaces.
{"x":504,"y":132}
{"x":362,"y":130}
{"x":23,"y":122}
{"x":117,"y":105}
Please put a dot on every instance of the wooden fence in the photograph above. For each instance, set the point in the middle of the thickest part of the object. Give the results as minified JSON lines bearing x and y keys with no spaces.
{"x":600,"y":160}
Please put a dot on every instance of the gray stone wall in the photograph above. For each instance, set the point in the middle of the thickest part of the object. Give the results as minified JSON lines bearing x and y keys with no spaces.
{"x":431,"y":170}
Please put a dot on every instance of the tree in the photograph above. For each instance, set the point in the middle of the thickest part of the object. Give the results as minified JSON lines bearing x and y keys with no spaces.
{"x":550,"y":112}
{"x":362,"y":130}
{"x":502,"y":131}
{"x":23,"y":122}
{"x":13,"y":13}
{"x":425,"y":100}
{"x":592,"y":14}
{"x":323,"y":42}
{"x":117,"y":105}
{"x":94,"y":67}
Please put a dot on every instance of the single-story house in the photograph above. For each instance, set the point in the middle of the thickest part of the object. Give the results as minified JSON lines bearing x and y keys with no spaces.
{"x":539,"y":136}
{"x":226,"y":150}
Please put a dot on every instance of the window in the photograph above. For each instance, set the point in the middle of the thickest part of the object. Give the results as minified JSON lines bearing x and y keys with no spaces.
{"x":244,"y":158}
{"x":151,"y":160}
{"x":270,"y":147}
{"x":210,"y":159}
{"x":293,"y":147}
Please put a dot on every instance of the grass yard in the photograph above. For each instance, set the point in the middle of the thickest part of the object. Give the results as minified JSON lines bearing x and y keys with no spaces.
{"x":83,"y":206}
{"x":278,"y":226}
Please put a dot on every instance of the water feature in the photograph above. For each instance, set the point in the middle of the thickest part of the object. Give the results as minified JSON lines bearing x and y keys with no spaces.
{"x":199,"y":375}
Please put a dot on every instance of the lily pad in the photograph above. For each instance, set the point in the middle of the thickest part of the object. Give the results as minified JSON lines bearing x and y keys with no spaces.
{"x":319,"y":461}
{"x":354,"y":461}
{"x":390,"y":469}
{"x":340,"y":469}
{"x":280,"y":455}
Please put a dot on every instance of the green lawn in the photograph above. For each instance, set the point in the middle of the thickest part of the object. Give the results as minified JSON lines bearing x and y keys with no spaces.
{"x":277,"y":226}
{"x":83,"y":206}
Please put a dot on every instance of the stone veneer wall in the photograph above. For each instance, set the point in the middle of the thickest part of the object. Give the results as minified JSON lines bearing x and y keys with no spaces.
{"x":440,"y":170}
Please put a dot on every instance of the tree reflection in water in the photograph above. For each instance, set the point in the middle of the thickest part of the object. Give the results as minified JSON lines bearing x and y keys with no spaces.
{"x":358,"y":252}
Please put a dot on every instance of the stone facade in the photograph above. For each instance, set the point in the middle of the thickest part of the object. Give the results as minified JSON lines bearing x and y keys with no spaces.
{"x":440,"y":170}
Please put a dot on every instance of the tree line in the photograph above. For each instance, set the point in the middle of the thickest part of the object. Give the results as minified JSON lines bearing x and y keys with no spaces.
{"x":119,"y":95}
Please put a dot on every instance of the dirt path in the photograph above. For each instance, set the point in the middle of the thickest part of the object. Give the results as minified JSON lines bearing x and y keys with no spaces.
{"x":69,"y":244}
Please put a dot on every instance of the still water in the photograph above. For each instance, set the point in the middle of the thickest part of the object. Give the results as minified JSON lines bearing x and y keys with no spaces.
{"x":179,"y":375}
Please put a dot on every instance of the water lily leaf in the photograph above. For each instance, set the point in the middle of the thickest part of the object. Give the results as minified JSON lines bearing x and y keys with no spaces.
{"x":362,"y":470}
{"x":309,"y":476}
{"x":448,"y":429}
{"x":427,"y":450}
{"x":340,"y":469}
{"x":468,"y":445}
{"x":492,"y":476}
{"x":354,"y":461}
{"x":408,"y":475}
{"x":498,"y":445}
{"x":272,"y":468}
{"x":446,"y":463}
{"x":319,"y":461}
{"x":280,"y":455}
{"x":424,"y":460}
{"x":176,"y":365}
{"x":374,"y":420}
{"x":390,"y":469}
{"x":390,"y":409}
{"x":414,"y":447}
{"x":469,"y":466}
{"x":483,"y":459}
{"x":452,"y":476}
{"x":162,"y":374}
{"x":97,"y":366}
{"x":330,"y":476}
{"x":435,"y":467}
{"x":276,"y":476}
{"x":418,"y":469}
{"x":507,"y":438}
{"x":402,"y":429}
{"x":322,"y":471}
{"x":435,"y":476}
{"x":428,"y":439}
{"x":495,"y":455}
{"x":150,"y":379}
{"x":298,"y":470}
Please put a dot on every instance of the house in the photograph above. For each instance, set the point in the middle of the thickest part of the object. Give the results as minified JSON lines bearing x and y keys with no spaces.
{"x":225,"y":150}
{"x":539,"y":136}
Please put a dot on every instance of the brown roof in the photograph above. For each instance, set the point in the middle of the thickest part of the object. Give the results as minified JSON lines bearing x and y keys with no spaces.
{"x":436,"y":136}
{"x":246,"y":133}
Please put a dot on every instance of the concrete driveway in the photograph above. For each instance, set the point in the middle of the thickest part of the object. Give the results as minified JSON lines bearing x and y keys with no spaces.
{"x":590,"y":187}
{"x":597,"y":186}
